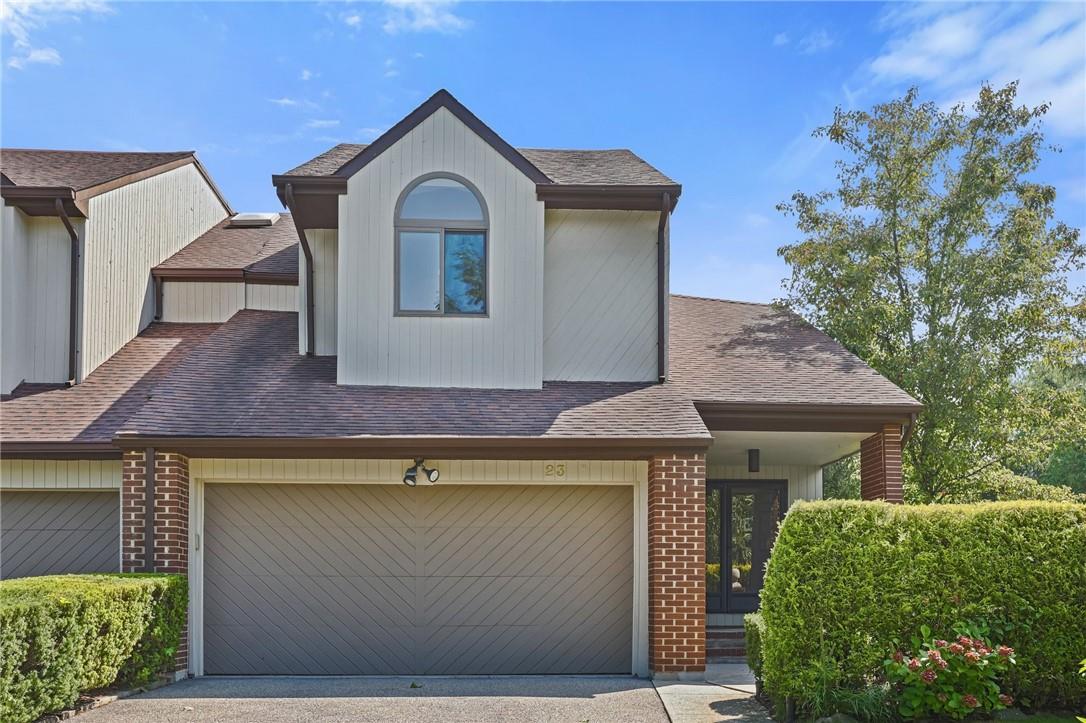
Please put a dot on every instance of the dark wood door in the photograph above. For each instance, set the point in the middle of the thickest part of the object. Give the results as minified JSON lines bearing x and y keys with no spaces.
{"x":741,"y":525}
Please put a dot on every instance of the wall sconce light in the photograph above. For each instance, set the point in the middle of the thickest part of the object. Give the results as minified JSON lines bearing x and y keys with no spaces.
{"x":753,"y":460}
{"x":410,"y":476}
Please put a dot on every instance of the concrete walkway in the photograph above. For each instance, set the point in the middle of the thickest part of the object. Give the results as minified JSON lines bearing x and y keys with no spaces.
{"x":469,"y":699}
{"x":726,"y":695}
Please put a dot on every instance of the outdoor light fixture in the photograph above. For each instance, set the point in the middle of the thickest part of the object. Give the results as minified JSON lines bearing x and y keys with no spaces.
{"x":753,"y":459}
{"x":410,"y":477}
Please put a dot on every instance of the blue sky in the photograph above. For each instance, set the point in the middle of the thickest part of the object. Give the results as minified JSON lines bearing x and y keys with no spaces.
{"x":721,"y":97}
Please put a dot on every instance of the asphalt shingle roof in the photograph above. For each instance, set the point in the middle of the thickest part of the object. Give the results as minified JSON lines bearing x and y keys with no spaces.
{"x":258,"y":250}
{"x":739,"y":352}
{"x":76,"y":169}
{"x":94,"y":410}
{"x":619,"y":167}
{"x":248,"y":380}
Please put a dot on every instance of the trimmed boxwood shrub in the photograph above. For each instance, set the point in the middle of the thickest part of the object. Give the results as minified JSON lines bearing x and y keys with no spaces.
{"x":847,"y":579}
{"x":63,"y":634}
{"x":754,"y":630}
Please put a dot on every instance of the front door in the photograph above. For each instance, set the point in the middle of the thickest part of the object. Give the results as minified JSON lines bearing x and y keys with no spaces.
{"x":741,"y":524}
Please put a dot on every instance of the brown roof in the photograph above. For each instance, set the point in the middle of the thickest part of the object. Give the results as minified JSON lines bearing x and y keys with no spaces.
{"x":248,"y":380}
{"x":619,"y":167}
{"x":255,"y":251}
{"x":736,"y":352}
{"x":76,"y":169}
{"x":92,"y":412}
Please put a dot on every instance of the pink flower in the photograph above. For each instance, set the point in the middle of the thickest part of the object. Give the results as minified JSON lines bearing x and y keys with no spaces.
{"x":934,"y":655}
{"x":956,"y":648}
{"x":1005,"y":652}
{"x":942,"y":664}
{"x":898,"y":656}
{"x":928,"y":676}
{"x":978,"y":643}
{"x":969,"y":700}
{"x":913,"y":664}
{"x":965,"y":641}
{"x":940,"y":643}
{"x":1005,"y":699}
{"x":972,"y":657}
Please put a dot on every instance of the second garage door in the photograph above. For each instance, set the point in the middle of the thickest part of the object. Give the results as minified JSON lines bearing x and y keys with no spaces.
{"x":382,"y":579}
{"x":55,"y":532}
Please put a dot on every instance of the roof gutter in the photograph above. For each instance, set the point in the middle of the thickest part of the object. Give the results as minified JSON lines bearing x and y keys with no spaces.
{"x":299,"y":227}
{"x":663,"y":238}
{"x":73,"y":296}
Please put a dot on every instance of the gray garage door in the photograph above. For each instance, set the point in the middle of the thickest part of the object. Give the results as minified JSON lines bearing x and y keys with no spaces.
{"x":47,"y":533}
{"x":382,"y":579}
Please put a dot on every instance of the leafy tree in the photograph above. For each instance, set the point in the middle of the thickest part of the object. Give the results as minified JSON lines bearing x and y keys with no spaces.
{"x":1051,"y":443}
{"x":841,"y":479}
{"x":939,"y":262}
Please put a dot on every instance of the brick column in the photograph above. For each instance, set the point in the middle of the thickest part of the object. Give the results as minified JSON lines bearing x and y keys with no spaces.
{"x":171,"y":520}
{"x":677,"y":565}
{"x":880,"y":465}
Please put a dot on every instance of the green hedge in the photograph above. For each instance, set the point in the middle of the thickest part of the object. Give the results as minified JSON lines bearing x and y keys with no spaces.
{"x":754,"y":630}
{"x":846,"y":579}
{"x":63,"y":634}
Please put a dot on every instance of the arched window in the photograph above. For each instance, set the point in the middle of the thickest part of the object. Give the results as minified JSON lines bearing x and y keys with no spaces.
{"x":441,"y":248}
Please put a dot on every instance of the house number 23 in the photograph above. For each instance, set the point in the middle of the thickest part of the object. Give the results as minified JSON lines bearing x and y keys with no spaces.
{"x":554,"y":470}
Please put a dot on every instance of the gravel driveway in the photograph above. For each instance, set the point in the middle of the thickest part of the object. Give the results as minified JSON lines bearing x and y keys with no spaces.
{"x":521,"y":698}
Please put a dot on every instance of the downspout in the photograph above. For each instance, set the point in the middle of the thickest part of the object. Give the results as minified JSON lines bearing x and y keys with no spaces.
{"x":909,"y":429}
{"x":73,"y":293}
{"x":662,"y":242}
{"x":149,"y":510}
{"x":158,"y":297}
{"x":310,"y":330}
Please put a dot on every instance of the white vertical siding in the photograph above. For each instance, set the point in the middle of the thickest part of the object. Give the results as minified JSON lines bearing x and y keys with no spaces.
{"x":271,"y":297}
{"x":36,"y":266}
{"x":804,"y":481}
{"x":201,"y":301}
{"x":599,"y":296}
{"x":130,"y":230}
{"x":325,"y":246}
{"x":47,"y":474}
{"x":502,"y":350}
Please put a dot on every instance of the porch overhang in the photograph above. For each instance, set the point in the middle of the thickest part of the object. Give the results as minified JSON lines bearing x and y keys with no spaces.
{"x":761,"y":417}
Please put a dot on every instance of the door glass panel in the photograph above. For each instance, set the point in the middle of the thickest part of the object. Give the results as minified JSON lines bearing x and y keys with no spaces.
{"x":740,"y":550}
{"x":712,"y":544}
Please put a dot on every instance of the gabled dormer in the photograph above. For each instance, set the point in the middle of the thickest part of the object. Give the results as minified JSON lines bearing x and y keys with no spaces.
{"x":441,"y":256}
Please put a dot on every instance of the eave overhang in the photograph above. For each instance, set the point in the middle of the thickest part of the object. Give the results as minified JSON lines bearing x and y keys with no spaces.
{"x":600,"y":197}
{"x":223,"y":275}
{"x":428,"y":447}
{"x":761,"y":417}
{"x":59,"y":450}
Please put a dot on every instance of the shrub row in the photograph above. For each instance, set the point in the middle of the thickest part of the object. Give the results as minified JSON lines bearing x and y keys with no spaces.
{"x":846,"y":580}
{"x":63,"y":634}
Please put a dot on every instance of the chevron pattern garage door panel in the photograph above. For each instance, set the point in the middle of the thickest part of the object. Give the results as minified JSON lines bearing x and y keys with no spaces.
{"x":49,"y":533}
{"x":373,"y":579}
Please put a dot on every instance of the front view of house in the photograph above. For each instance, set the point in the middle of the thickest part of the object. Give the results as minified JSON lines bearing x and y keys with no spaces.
{"x":442,"y":417}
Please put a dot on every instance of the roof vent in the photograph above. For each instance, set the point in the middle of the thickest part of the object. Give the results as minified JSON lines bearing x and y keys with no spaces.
{"x":252,"y":220}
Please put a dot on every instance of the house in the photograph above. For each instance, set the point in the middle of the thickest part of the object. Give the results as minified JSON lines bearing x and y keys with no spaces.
{"x":443,"y":417}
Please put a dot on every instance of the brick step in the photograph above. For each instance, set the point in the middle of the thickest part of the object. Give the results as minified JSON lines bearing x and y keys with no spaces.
{"x":725,"y":659}
{"x":725,"y":650}
{"x":724,"y":634}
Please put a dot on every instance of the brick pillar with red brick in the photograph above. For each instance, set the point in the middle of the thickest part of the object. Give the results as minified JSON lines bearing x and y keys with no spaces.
{"x":170,"y":524}
{"x":880,"y":465}
{"x":677,"y":565}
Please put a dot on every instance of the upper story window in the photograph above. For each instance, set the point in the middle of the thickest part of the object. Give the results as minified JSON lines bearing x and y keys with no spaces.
{"x":441,"y":248}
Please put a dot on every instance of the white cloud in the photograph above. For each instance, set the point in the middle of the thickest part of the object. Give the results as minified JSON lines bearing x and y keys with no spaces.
{"x":423,"y":16}
{"x":46,"y":56}
{"x":391,"y":71}
{"x":780,"y":39}
{"x":319,"y":123}
{"x":815,"y":42}
{"x":368,"y":134}
{"x":352,"y":20}
{"x":755,"y":220}
{"x":283,"y":102}
{"x":953,"y":50}
{"x":20,"y":18}
{"x":307,"y":74}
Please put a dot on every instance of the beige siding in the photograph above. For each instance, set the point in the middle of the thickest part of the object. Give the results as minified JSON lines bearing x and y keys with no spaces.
{"x":804,"y":481}
{"x":130,"y":230}
{"x":390,"y":471}
{"x":271,"y":297}
{"x":46,"y":474}
{"x":36,"y":267}
{"x":599,"y":296}
{"x":201,"y":301}
{"x":501,"y":350}
{"x":325,"y":246}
